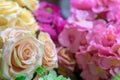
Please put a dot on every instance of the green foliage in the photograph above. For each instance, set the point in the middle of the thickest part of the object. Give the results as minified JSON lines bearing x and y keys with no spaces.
{"x":53,"y":76}
{"x":21,"y":77}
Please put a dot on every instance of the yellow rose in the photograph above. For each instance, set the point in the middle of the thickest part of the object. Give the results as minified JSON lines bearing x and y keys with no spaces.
{"x":27,"y":20}
{"x":50,"y":60}
{"x":30,"y":4}
{"x":22,"y":54}
{"x":9,"y":12}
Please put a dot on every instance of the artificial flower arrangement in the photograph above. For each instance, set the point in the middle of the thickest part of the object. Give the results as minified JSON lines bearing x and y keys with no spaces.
{"x":25,"y":54}
{"x":88,"y":42}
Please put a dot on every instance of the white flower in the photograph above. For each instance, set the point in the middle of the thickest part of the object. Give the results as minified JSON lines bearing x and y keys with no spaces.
{"x":22,"y":54}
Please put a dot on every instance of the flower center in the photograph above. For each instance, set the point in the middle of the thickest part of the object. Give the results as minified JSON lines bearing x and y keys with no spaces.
{"x":26,"y":54}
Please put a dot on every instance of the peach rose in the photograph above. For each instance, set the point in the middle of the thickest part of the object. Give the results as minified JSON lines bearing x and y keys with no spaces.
{"x":27,"y":20}
{"x":22,"y":54}
{"x":31,"y":4}
{"x":11,"y":33}
{"x":50,"y":60}
{"x":9,"y":12}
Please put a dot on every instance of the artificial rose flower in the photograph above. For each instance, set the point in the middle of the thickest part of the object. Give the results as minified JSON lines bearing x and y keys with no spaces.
{"x":30,"y":4}
{"x":69,"y":38}
{"x":48,"y":28}
{"x":66,"y":59}
{"x":66,"y":62}
{"x":26,"y":20}
{"x":22,"y":54}
{"x":9,"y":12}
{"x":46,"y":12}
{"x":49,"y":60}
{"x":11,"y":33}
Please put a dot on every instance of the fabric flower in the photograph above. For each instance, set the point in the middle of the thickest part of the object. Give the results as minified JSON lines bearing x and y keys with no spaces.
{"x":82,"y":59}
{"x":26,"y":20}
{"x":48,"y":28}
{"x":69,"y":38}
{"x":58,"y":24}
{"x":22,"y":54}
{"x":9,"y":12}
{"x":93,"y":72}
{"x":66,"y":59}
{"x":12,"y":32}
{"x":103,"y":34}
{"x":49,"y":19}
{"x":66,"y":62}
{"x":30,"y":4}
{"x":49,"y":60}
{"x":85,"y":4}
{"x":46,"y":12}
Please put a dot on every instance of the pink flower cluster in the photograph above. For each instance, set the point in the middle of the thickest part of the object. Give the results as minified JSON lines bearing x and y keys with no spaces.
{"x":91,"y":35}
{"x":49,"y":19}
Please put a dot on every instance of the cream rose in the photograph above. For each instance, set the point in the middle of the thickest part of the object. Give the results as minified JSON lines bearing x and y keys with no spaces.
{"x":50,"y":60}
{"x":22,"y":54}
{"x":31,"y":4}
{"x":9,"y":12}
{"x":27,"y":20}
{"x":12,"y":32}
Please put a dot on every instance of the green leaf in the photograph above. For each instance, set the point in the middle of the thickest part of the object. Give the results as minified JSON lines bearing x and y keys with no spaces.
{"x":21,"y":77}
{"x":53,"y":76}
{"x":116,"y":77}
{"x":61,"y":78}
{"x":40,"y":71}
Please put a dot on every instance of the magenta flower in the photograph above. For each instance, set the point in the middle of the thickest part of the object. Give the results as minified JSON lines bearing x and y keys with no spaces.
{"x":59,"y":24}
{"x":49,"y":18}
{"x":46,"y":12}
{"x":47,"y":28}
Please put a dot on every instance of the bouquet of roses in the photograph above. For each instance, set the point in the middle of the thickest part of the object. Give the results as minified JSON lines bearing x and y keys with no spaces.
{"x":25,"y":54}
